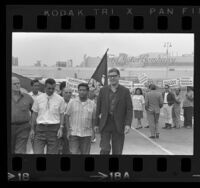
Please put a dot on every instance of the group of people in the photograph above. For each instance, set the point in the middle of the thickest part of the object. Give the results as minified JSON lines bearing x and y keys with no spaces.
{"x":170,"y":101}
{"x":60,"y":123}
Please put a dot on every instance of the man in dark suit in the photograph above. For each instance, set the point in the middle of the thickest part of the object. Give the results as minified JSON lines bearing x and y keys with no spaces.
{"x":153,"y":103}
{"x":114,"y":114}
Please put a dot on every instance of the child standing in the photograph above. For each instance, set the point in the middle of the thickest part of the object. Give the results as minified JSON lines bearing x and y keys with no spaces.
{"x":138,"y":106}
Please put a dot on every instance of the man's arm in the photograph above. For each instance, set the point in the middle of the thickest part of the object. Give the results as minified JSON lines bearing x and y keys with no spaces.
{"x":161,"y":101}
{"x":93,"y":116}
{"x":67,"y":125}
{"x":62,"y":119}
{"x":33,"y":120}
{"x":146,"y":101}
{"x":98,"y":108}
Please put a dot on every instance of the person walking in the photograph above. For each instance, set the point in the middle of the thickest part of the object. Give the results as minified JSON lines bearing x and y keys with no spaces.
{"x":20,"y":118}
{"x":176,"y":109}
{"x":35,"y":84}
{"x":67,"y":95}
{"x":153,"y":103}
{"x":47,"y":120}
{"x":114,"y":114}
{"x":92,"y":96}
{"x":138,"y":106}
{"x":80,"y":118}
{"x":188,"y":104}
{"x":169,"y":99}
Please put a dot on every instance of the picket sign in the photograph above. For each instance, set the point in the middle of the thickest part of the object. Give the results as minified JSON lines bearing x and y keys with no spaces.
{"x":138,"y":85}
{"x":143,"y":78}
{"x":73,"y":83}
{"x":186,"y":81}
{"x":171,"y":82}
{"x":127,"y":84}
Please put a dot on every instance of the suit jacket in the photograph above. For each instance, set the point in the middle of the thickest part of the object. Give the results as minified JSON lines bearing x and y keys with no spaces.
{"x":153,"y":101}
{"x":170,"y":98}
{"x":123,"y":112}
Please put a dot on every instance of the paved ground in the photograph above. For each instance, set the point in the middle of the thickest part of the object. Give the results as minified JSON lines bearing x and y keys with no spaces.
{"x":137,"y":142}
{"x":171,"y":142}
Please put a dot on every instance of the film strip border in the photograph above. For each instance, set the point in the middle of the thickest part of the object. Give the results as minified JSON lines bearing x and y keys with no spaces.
{"x":141,"y":19}
{"x":105,"y":19}
{"x":103,"y":168}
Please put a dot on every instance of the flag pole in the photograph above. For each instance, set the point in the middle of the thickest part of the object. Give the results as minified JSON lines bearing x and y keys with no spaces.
{"x":98,"y":65}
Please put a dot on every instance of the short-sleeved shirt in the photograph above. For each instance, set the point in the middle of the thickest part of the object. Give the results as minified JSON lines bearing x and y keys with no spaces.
{"x":21,"y":109}
{"x":81,"y":116}
{"x":34,"y":96}
{"x":49,"y":108}
{"x":138,"y":102}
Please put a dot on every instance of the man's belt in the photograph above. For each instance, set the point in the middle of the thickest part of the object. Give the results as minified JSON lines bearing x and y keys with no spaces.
{"x":19,"y":123}
{"x":44,"y":124}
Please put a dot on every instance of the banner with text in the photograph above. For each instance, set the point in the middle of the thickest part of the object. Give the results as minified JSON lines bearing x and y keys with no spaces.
{"x":127,"y":84}
{"x":73,"y":83}
{"x":143,"y":78}
{"x":172,"y":82}
{"x":186,"y":81}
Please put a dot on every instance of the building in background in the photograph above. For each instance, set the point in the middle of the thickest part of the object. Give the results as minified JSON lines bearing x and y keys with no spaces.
{"x":64,"y":64}
{"x":38,"y":63}
{"x":15,"y":61}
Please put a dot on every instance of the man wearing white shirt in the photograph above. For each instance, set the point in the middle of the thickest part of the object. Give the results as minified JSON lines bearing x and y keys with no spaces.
{"x":47,"y":120}
{"x":35,"y":89}
{"x":169,"y":99}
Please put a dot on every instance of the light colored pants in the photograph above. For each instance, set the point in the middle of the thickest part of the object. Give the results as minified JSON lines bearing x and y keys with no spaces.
{"x":153,"y":119}
{"x":176,"y":110}
{"x":167,"y":110}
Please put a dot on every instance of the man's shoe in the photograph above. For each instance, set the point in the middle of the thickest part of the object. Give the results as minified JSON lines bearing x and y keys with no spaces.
{"x":147,"y":126}
{"x":93,"y":140}
{"x":152,"y":137}
{"x":157,"y":135}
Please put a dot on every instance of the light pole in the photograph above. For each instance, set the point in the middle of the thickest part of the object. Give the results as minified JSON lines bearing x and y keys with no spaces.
{"x":167,"y":45}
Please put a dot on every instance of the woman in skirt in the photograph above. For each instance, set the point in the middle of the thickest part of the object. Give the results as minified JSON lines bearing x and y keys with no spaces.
{"x":138,"y":106}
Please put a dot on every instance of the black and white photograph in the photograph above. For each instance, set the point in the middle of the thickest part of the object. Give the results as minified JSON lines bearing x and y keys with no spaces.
{"x":102,"y":93}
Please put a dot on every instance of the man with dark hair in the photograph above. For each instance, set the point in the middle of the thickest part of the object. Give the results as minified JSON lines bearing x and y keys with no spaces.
{"x":47,"y":120}
{"x":62,"y":87}
{"x":153,"y":103}
{"x":169,"y":99}
{"x":20,"y":118}
{"x":35,"y":89}
{"x":80,"y":116}
{"x":114,"y":114}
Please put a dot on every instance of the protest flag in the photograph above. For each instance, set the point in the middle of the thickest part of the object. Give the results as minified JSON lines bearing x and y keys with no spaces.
{"x":25,"y":82}
{"x":99,"y":77}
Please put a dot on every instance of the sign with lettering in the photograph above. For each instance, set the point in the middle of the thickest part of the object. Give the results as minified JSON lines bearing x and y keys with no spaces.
{"x":73,"y":83}
{"x":186,"y":81}
{"x":143,"y":78}
{"x":127,"y":84}
{"x":172,"y":82}
{"x":138,"y":86}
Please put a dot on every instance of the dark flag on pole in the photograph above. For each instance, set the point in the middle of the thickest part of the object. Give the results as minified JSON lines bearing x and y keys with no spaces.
{"x":25,"y":82}
{"x":99,"y":77}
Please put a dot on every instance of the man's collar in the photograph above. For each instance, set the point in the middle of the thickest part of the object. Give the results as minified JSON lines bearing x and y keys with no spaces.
{"x":49,"y":96}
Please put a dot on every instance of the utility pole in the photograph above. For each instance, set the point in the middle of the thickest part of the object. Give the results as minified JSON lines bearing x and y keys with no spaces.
{"x":167,"y":45}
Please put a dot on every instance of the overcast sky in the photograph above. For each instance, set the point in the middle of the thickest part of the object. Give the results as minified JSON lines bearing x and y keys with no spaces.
{"x":52,"y":47}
